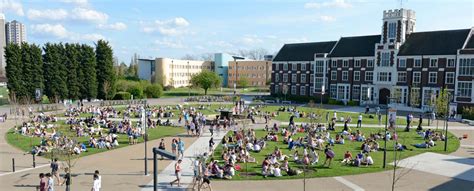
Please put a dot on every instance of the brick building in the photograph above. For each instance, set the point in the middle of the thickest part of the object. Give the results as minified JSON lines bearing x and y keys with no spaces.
{"x":255,"y":71}
{"x":412,"y":67}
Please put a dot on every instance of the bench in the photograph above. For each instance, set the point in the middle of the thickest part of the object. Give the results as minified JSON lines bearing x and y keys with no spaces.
{"x":164,"y":153}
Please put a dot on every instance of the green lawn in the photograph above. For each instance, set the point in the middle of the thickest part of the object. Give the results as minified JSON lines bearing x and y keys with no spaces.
{"x":25,"y":143}
{"x":337,"y":169}
{"x":285,"y":116}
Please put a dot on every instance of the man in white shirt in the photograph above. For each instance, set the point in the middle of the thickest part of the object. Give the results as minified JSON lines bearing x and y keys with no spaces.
{"x":99,"y":180}
{"x":359,"y":121}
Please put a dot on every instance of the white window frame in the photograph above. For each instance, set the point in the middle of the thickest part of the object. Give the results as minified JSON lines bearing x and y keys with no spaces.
{"x":345,"y":63}
{"x":303,"y":78}
{"x":464,"y":90}
{"x":435,"y":77}
{"x":303,"y":67}
{"x":334,"y":64}
{"x":417,"y":63}
{"x":333,"y":91}
{"x":433,"y":63}
{"x":451,"y":63}
{"x":311,"y":91}
{"x":345,"y":75}
{"x":385,"y":59}
{"x":356,"y":92}
{"x":294,"y":78}
{"x":333,"y":75}
{"x":371,"y":76}
{"x":285,"y":77}
{"x":357,"y":63}
{"x":277,"y":77}
{"x":398,"y":77}
{"x":356,"y":75}
{"x":302,"y":90}
{"x":414,"y":77}
{"x":453,"y":77}
{"x":285,"y":66}
{"x":293,"y":90}
{"x":370,"y":63}
{"x":402,"y":63}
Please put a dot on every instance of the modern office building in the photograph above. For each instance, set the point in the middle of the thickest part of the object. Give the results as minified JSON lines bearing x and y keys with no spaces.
{"x":257,"y":73}
{"x":412,"y":67}
{"x":3,"y":43}
{"x":221,"y":61}
{"x":171,"y":72}
{"x":15,"y":32}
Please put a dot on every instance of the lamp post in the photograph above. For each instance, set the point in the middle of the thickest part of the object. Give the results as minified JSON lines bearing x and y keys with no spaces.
{"x":385,"y":135}
{"x":447,"y":117}
{"x":189,"y":82}
{"x":145,"y":138}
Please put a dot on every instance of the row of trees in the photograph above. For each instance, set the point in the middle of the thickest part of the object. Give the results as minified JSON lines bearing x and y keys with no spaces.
{"x":61,"y":71}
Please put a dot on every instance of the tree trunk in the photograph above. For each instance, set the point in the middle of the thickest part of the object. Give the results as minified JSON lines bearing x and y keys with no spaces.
{"x":205,"y":91}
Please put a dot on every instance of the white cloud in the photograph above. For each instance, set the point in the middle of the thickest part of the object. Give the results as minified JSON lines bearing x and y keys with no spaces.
{"x":53,"y":30}
{"x":12,"y":6}
{"x":171,"y":27}
{"x":77,"y":2}
{"x":326,"y":18}
{"x":251,"y":40}
{"x":47,"y":14}
{"x":221,"y":44}
{"x":89,"y":15}
{"x":118,"y":26}
{"x":89,"y":37}
{"x":168,"y":43}
{"x":328,"y":4}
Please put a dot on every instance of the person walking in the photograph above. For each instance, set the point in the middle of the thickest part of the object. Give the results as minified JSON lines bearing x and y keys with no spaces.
{"x":96,"y":183}
{"x":177,"y":172}
{"x":174,"y":145}
{"x":180,"y":148}
{"x":67,"y":179}
{"x":43,"y":183}
{"x":99,"y":178}
{"x":162,"y":146}
{"x":359,"y":121}
{"x":50,"y":185}
{"x":419,"y":128}
{"x":55,"y":170}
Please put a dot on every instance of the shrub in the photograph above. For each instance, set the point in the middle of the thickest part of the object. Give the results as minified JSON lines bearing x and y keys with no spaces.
{"x":153,"y":91}
{"x":468,"y":113}
{"x":352,"y":103}
{"x":136,"y":91}
{"x":335,"y":102}
{"x":122,"y":96}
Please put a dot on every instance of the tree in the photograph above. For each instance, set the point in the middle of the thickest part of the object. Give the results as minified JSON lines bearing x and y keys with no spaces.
{"x":243,"y":82}
{"x":14,"y":70}
{"x":153,"y":91}
{"x":442,"y":102}
{"x":205,"y":80}
{"x":254,"y":54}
{"x":105,"y":70}
{"x":88,"y":69}
{"x":56,"y":78}
{"x":72,"y":52}
{"x":32,"y":74}
{"x":189,"y":57}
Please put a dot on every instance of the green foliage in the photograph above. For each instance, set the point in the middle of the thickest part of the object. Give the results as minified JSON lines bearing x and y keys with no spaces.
{"x":72,"y":52}
{"x":243,"y":82}
{"x":352,"y":103}
{"x":122,"y":96}
{"x":136,"y":91}
{"x":14,"y":71}
{"x":55,"y":72}
{"x":88,"y":76}
{"x":153,"y":91}
{"x":467,"y":113}
{"x":335,"y":102}
{"x":442,"y":102}
{"x":106,"y":75}
{"x":32,"y":74}
{"x":205,"y":80}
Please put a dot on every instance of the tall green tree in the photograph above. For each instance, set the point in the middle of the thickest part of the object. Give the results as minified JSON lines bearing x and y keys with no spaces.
{"x":72,"y":52}
{"x":88,"y":73}
{"x":442,"y":102}
{"x":205,"y":80}
{"x":14,"y":71}
{"x":55,"y":72}
{"x":106,"y":75}
{"x":36,"y":69}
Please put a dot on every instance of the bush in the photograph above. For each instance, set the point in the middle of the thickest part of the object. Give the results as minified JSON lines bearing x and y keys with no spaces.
{"x":153,"y":91}
{"x":335,"y":102}
{"x":122,"y":96}
{"x":136,"y":91}
{"x":468,"y":113}
{"x":168,"y":88}
{"x":352,"y":103}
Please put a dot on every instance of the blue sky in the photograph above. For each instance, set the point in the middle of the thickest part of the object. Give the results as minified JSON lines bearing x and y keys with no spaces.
{"x":173,"y":28}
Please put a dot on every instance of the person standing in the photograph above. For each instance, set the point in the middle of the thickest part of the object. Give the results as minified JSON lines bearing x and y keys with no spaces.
{"x":177,"y":172}
{"x":96,"y":183}
{"x":43,"y":183}
{"x":50,"y":182}
{"x":419,"y":128}
{"x":55,"y":170}
{"x":211,"y":144}
{"x":180,"y":148}
{"x":359,"y":121}
{"x":67,"y":179}
{"x":99,"y":179}
{"x":174,"y":145}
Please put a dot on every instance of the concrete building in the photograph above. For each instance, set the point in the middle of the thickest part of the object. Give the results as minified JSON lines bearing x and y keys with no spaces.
{"x":3,"y":43}
{"x":412,"y":67}
{"x":171,"y":72}
{"x":15,"y":32}
{"x":257,"y":72}
{"x":221,"y":61}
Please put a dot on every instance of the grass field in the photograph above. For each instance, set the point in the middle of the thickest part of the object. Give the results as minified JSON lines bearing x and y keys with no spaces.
{"x":26,"y":143}
{"x":285,"y":116}
{"x":337,"y":168}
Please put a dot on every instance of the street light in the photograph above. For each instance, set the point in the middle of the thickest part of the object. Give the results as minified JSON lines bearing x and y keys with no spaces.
{"x":385,"y":135}
{"x":236,"y":70}
{"x":189,"y":82}
{"x":144,"y":120}
{"x":447,"y":117}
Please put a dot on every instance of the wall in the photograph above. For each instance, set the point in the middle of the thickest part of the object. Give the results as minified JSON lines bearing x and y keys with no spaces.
{"x":221,"y":66}
{"x":257,"y":72}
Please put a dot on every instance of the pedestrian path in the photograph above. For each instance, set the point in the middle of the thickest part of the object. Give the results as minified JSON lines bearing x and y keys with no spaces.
{"x":440,"y":164}
{"x":199,"y":146}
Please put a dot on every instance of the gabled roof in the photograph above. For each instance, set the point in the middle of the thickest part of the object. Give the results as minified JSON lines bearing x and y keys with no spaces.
{"x":470,"y":43}
{"x":303,"y":51}
{"x":356,"y":46}
{"x":434,"y":42}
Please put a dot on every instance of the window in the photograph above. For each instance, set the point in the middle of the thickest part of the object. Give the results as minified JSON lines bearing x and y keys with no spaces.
{"x":355,"y":92}
{"x":285,"y":77}
{"x":365,"y":91}
{"x":385,"y":59}
{"x":370,"y":63}
{"x":416,"y":77}
{"x":333,"y":91}
{"x":464,"y":89}
{"x":285,"y":66}
{"x":294,"y":66}
{"x":392,"y":27}
{"x":433,"y":77}
{"x":402,"y":76}
{"x":293,"y":78}
{"x":311,"y":91}
{"x":451,"y":63}
{"x":334,"y":64}
{"x":345,"y":75}
{"x":302,"y":90}
{"x":318,"y":83}
{"x":356,"y":75}
{"x":333,"y":75}
{"x":449,"y":78}
{"x":345,"y":63}
{"x":417,"y":63}
{"x":319,"y":66}
{"x":293,"y":90}
{"x":384,"y":76}
{"x":433,"y":63}
{"x":369,"y":76}
{"x":303,"y":78}
{"x":311,"y":78}
{"x":357,"y":63}
{"x":277,"y":77}
{"x":277,"y":89}
{"x":303,"y":67}
{"x":402,"y":63}
{"x":341,"y":92}
{"x":466,"y":67}
{"x":429,"y":96}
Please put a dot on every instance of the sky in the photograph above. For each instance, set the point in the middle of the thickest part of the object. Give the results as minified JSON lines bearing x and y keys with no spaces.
{"x":174,"y":28}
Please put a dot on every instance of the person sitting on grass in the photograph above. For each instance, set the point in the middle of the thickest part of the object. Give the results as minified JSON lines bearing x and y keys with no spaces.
{"x":431,"y":143}
{"x":339,"y":139}
{"x":367,"y":160}
{"x":265,"y":167}
{"x":400,"y":147}
{"x":347,"y":158}
{"x":424,"y":145}
{"x":276,"y":170}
